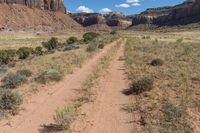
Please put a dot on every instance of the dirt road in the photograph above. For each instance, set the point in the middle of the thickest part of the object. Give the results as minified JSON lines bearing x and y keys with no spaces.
{"x":41,"y":107}
{"x":105,"y":114}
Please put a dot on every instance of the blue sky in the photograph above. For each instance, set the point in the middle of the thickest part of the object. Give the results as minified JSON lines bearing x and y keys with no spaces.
{"x":125,"y":6}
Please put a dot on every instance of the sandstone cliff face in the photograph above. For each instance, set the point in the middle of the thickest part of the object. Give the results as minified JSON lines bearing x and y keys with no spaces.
{"x":88,"y":19}
{"x":113,"y":19}
{"x":185,"y":13}
{"x":52,"y":5}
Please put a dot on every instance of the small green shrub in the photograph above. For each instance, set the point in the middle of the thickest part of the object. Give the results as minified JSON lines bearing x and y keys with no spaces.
{"x":146,"y":37}
{"x":49,"y":75}
{"x":12,"y":80}
{"x":142,"y":85}
{"x":64,"y":116}
{"x":3,"y":69}
{"x":101,"y":46}
{"x":113,"y":32}
{"x":179,"y":40}
{"x":72,"y":40}
{"x":24,"y":72}
{"x":51,"y":44}
{"x":9,"y":101}
{"x":12,"y":64}
{"x":92,"y":47}
{"x":38,"y":50}
{"x":89,"y":36}
{"x":24,"y":52}
{"x":157,"y":62}
{"x":7,"y":55}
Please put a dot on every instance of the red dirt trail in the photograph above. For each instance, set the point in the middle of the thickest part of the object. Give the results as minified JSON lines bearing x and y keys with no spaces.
{"x":105,"y":114}
{"x":41,"y":108}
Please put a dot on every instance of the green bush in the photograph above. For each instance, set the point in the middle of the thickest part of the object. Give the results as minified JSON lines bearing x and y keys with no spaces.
{"x":179,"y":40}
{"x":7,"y":55}
{"x":11,"y":64}
{"x":101,"y":46}
{"x":51,"y":44}
{"x":113,"y":32}
{"x":92,"y":47}
{"x":157,"y":62}
{"x":24,"y":72}
{"x":3,"y":69}
{"x":72,"y":40}
{"x":89,"y":36}
{"x":24,"y":52}
{"x":142,"y":85}
{"x":12,"y":80}
{"x":38,"y":50}
{"x":49,"y":75}
{"x":9,"y":101}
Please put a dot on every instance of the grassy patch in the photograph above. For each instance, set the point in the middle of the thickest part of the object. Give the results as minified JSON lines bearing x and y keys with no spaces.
{"x":173,"y":82}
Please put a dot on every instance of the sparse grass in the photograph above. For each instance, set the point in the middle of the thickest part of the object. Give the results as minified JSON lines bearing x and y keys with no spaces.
{"x":65,"y":116}
{"x":173,"y":82}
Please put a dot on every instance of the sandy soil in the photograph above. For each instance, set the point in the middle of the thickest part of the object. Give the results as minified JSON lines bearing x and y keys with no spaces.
{"x":41,"y":108}
{"x":105,"y":115}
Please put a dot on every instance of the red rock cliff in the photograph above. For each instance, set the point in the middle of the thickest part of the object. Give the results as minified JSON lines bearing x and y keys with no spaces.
{"x":52,"y":5}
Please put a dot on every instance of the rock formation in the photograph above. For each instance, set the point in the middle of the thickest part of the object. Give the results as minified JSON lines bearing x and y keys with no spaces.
{"x":113,"y":19}
{"x":185,"y":13}
{"x":52,"y":5}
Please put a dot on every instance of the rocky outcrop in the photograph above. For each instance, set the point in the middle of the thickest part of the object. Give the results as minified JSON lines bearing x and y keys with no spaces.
{"x":117,"y":19}
{"x":52,"y":5}
{"x":185,"y":13}
{"x":88,"y":19}
{"x":113,"y":19}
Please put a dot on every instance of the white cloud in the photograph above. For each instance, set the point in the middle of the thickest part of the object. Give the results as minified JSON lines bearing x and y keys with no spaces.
{"x":105,"y":10}
{"x":124,"y":5}
{"x":132,"y":1}
{"x":84,"y":9}
{"x":135,"y":4}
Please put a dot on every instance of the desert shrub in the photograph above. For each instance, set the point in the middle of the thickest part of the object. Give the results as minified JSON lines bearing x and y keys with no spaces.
{"x":146,"y":37}
{"x":24,"y":72}
{"x":11,"y":64}
{"x":101,"y":46}
{"x":51,"y":44}
{"x":72,"y":40}
{"x":38,"y":50}
{"x":113,"y":32}
{"x":49,"y":75}
{"x":9,"y":101}
{"x":12,"y":80}
{"x":3,"y":69}
{"x":64,"y":116}
{"x":7,"y":55}
{"x":92,"y":47}
{"x":179,"y":40}
{"x":142,"y":85}
{"x":89,"y":36}
{"x":24,"y":52}
{"x":157,"y":62}
{"x":187,"y":49}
